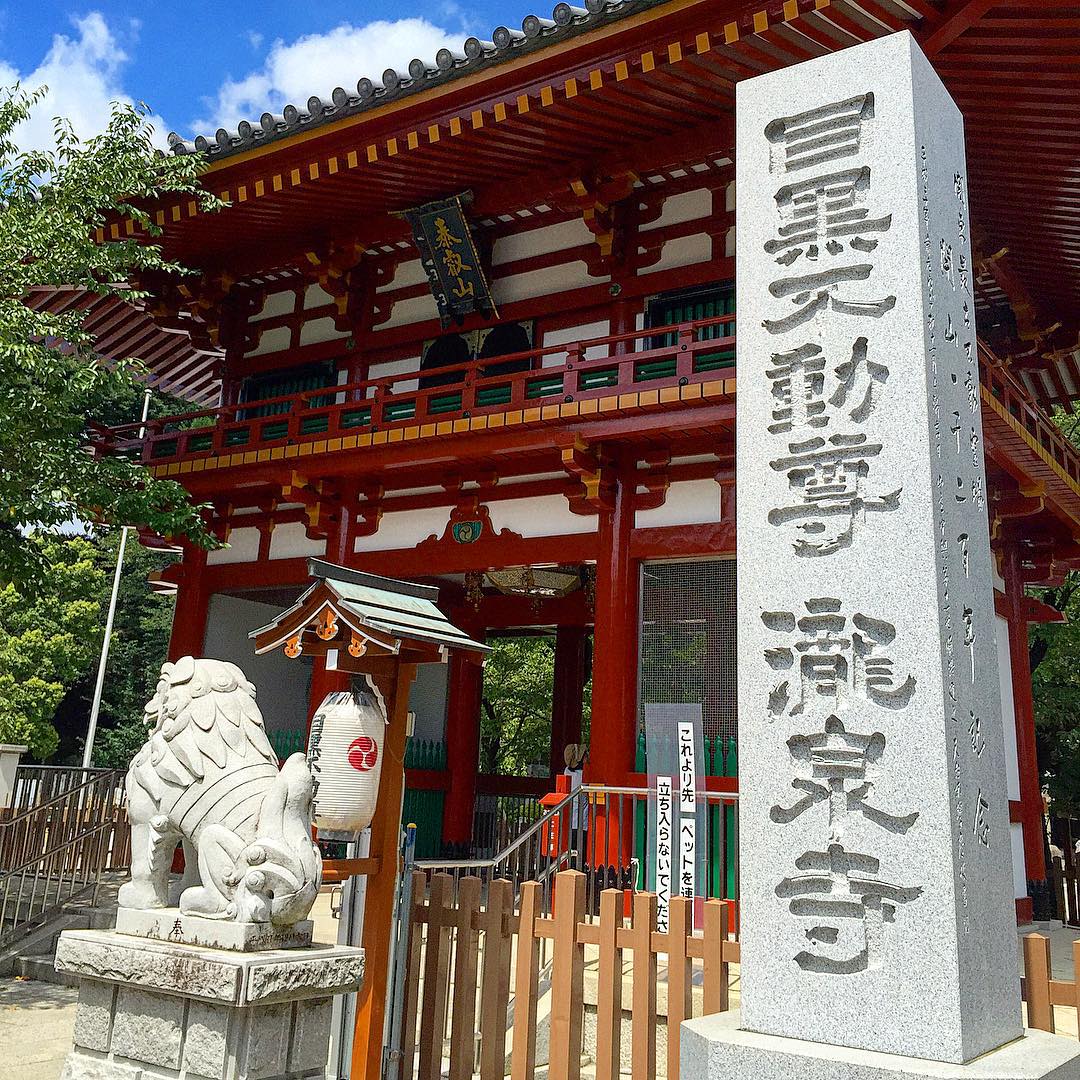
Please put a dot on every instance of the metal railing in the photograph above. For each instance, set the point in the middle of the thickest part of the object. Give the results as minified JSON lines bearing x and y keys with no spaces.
{"x":499,"y":820}
{"x":602,"y":831}
{"x":37,"y":784}
{"x":55,"y":851}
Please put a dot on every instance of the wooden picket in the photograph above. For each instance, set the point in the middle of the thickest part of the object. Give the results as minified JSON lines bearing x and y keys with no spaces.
{"x":463,"y":948}
{"x":459,"y":947}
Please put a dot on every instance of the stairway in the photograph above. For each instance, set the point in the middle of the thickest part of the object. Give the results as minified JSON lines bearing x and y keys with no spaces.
{"x":32,"y":957}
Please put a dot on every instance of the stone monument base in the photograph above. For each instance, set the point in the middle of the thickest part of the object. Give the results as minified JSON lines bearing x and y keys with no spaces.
{"x":170,"y":924}
{"x":160,"y":1009}
{"x":716,"y":1048}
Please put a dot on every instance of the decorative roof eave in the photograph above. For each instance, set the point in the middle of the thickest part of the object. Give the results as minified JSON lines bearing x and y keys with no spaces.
{"x":363,"y":615}
{"x":476,"y":55}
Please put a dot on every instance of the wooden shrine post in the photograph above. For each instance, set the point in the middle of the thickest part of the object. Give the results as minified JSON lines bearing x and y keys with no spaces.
{"x":361,"y":624}
{"x":382,"y":881}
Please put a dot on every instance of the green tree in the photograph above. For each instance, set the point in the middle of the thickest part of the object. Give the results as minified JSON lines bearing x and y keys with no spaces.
{"x":47,"y":640}
{"x":1054,"y":655}
{"x":51,"y":204}
{"x":515,"y":725}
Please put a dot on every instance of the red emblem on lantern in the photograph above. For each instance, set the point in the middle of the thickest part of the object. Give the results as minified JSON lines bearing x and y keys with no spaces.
{"x":363,"y":753}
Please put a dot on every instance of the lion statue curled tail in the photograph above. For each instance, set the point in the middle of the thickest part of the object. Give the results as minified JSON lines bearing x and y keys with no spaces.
{"x":208,"y":776}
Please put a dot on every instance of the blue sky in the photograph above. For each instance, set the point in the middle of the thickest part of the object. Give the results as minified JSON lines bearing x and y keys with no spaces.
{"x":201,"y":65}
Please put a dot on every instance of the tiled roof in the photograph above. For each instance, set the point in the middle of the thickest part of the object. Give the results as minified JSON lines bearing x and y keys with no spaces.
{"x":475,"y":55}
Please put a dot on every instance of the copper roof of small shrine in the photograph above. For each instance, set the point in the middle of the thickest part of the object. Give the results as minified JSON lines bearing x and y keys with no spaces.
{"x":401,"y":610}
{"x":475,"y":54}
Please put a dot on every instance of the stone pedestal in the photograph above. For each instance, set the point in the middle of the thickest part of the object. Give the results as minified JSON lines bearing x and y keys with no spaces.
{"x":10,"y":756}
{"x":158,"y":1009}
{"x":170,"y":924}
{"x":717,"y":1047}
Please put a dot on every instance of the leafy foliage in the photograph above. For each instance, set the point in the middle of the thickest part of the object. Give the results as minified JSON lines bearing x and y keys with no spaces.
{"x":1054,"y":650}
{"x":47,"y":641}
{"x":50,"y":642}
{"x":1054,"y":654}
{"x":515,"y":725}
{"x":51,"y":203}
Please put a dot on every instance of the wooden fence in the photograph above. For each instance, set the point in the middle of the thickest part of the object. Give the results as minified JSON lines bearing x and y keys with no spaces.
{"x":446,"y":965}
{"x":1041,"y":990}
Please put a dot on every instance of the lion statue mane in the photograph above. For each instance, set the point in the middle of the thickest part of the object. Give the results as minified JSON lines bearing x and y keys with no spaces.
{"x":208,"y":776}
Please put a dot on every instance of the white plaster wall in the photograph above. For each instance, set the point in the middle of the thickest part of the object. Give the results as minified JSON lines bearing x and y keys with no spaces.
{"x":316,"y":296}
{"x":688,"y":502}
{"x":405,"y":529}
{"x":279,"y":303}
{"x":535,"y":283}
{"x":274,"y":340}
{"x":1016,"y":839}
{"x":558,"y":237}
{"x":315,"y":330}
{"x":684,"y":251}
{"x":291,"y":542}
{"x":427,"y":699}
{"x":243,"y":547}
{"x":686,"y":206}
{"x":1008,"y":708}
{"x":397,"y":367}
{"x":410,"y":273}
{"x":548,"y":515}
{"x":418,"y":309}
{"x":576,"y":333}
{"x":282,"y":685}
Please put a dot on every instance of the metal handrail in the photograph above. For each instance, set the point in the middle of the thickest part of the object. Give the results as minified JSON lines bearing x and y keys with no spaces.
{"x":59,"y":798}
{"x":489,"y":864}
{"x":58,"y":850}
{"x":101,"y":826}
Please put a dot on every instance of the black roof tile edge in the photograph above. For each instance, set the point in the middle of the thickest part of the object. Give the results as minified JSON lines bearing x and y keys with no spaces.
{"x":536,"y":33}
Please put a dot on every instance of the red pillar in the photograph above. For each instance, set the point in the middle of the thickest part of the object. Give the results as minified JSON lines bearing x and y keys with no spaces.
{"x":567,"y":692}
{"x":192,"y":605}
{"x":613,"y":729}
{"x":464,"y":692}
{"x":614,"y":694}
{"x":1031,"y":803}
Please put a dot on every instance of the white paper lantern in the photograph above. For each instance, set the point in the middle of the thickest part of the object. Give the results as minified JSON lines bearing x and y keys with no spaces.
{"x":345,"y":751}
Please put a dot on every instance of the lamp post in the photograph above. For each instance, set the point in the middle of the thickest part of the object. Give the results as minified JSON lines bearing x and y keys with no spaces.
{"x":95,"y":707}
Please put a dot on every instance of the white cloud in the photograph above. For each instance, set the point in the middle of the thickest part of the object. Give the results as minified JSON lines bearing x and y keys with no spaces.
{"x":317,"y":63}
{"x":83,"y":76}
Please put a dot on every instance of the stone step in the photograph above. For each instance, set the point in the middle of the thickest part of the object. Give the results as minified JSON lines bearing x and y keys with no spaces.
{"x":41,"y":969}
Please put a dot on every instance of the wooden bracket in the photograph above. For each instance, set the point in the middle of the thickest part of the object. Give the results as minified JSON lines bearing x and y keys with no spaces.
{"x":583,"y":463}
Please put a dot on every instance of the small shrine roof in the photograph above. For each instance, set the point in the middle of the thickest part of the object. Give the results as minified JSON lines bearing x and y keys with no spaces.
{"x":475,"y":54}
{"x":390,"y":608}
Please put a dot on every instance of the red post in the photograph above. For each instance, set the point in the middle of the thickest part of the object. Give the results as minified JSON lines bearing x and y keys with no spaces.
{"x":567,"y":692}
{"x":615,"y":667}
{"x":465,"y":691}
{"x":614,"y":695}
{"x":1031,"y":803}
{"x":192,"y":605}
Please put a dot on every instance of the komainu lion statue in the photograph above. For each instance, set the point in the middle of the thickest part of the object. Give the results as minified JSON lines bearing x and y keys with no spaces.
{"x":208,"y":776}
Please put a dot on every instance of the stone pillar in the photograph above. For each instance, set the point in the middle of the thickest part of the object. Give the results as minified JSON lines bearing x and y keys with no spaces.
{"x":877,"y":910}
{"x":10,"y":756}
{"x":155,"y":1008}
